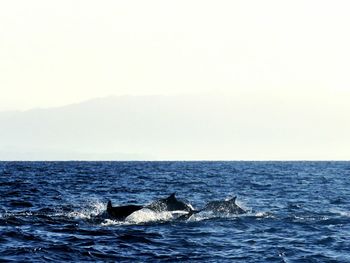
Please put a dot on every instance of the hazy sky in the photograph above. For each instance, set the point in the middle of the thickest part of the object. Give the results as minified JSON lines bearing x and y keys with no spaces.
{"x":59,"y":52}
{"x":282,"y":69}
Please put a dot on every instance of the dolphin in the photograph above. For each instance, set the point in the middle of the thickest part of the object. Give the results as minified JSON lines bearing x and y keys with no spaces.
{"x":219,"y":206}
{"x":226,"y":206}
{"x":171,"y":203}
{"x":121,"y":212}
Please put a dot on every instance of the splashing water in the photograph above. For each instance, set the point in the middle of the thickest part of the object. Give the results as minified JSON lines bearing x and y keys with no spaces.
{"x":93,"y":208}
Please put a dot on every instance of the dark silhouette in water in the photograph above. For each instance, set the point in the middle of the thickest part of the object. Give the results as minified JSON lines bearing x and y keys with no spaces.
{"x":229,"y":207}
{"x":121,"y":212}
{"x":219,"y":207}
{"x":171,"y":203}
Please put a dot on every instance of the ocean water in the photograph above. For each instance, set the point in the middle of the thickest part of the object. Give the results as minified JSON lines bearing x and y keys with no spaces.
{"x":55,"y":211}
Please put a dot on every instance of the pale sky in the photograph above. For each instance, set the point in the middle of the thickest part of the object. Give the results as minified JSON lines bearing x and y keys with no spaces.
{"x":55,"y":53}
{"x":282,"y":69}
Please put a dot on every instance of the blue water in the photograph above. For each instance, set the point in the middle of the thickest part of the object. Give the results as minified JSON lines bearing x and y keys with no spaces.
{"x":297,"y":212}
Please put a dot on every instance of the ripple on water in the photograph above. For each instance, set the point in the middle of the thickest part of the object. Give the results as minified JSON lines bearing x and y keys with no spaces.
{"x":55,"y":211}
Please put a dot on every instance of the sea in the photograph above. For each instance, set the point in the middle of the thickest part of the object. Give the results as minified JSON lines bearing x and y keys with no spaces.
{"x":56,"y":212}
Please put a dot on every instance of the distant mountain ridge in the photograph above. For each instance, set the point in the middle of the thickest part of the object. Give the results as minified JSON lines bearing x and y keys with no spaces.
{"x":126,"y":127}
{"x":183,"y":127}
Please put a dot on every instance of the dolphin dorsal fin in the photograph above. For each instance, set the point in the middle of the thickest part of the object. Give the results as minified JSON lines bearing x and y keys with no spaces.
{"x":109,"y":204}
{"x":172,"y":196}
{"x":233,"y":199}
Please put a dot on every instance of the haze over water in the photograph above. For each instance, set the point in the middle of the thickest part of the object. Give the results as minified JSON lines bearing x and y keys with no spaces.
{"x":184,"y":80}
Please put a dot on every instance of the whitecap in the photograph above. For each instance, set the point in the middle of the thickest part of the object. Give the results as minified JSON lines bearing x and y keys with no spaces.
{"x":146,"y":215}
{"x":92,"y":209}
{"x":110,"y":222}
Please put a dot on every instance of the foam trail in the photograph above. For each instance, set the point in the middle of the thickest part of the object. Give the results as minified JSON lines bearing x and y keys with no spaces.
{"x":110,"y":222}
{"x":94,"y":208}
{"x":147,"y":215}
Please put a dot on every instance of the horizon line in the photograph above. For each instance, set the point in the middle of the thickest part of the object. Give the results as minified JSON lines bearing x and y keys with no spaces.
{"x":190,"y":160}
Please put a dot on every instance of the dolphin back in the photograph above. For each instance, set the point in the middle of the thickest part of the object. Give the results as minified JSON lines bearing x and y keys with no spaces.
{"x":223,"y":206}
{"x":170,"y":203}
{"x":121,"y":212}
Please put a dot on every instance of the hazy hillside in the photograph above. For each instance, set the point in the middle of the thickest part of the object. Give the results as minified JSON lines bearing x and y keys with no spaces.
{"x":110,"y":128}
{"x":173,"y":127}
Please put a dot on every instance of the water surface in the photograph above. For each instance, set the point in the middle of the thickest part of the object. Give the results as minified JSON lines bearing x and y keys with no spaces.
{"x":297,"y":211}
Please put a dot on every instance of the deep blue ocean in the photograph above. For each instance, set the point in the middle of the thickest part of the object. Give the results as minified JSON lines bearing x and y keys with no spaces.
{"x":296,"y":212}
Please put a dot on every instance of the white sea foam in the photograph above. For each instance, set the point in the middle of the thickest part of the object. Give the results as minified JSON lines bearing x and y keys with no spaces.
{"x":201,"y":216}
{"x":344,"y":213}
{"x":92,"y":209}
{"x":110,"y":222}
{"x":263,"y":214}
{"x":341,"y":212}
{"x":147,"y":215}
